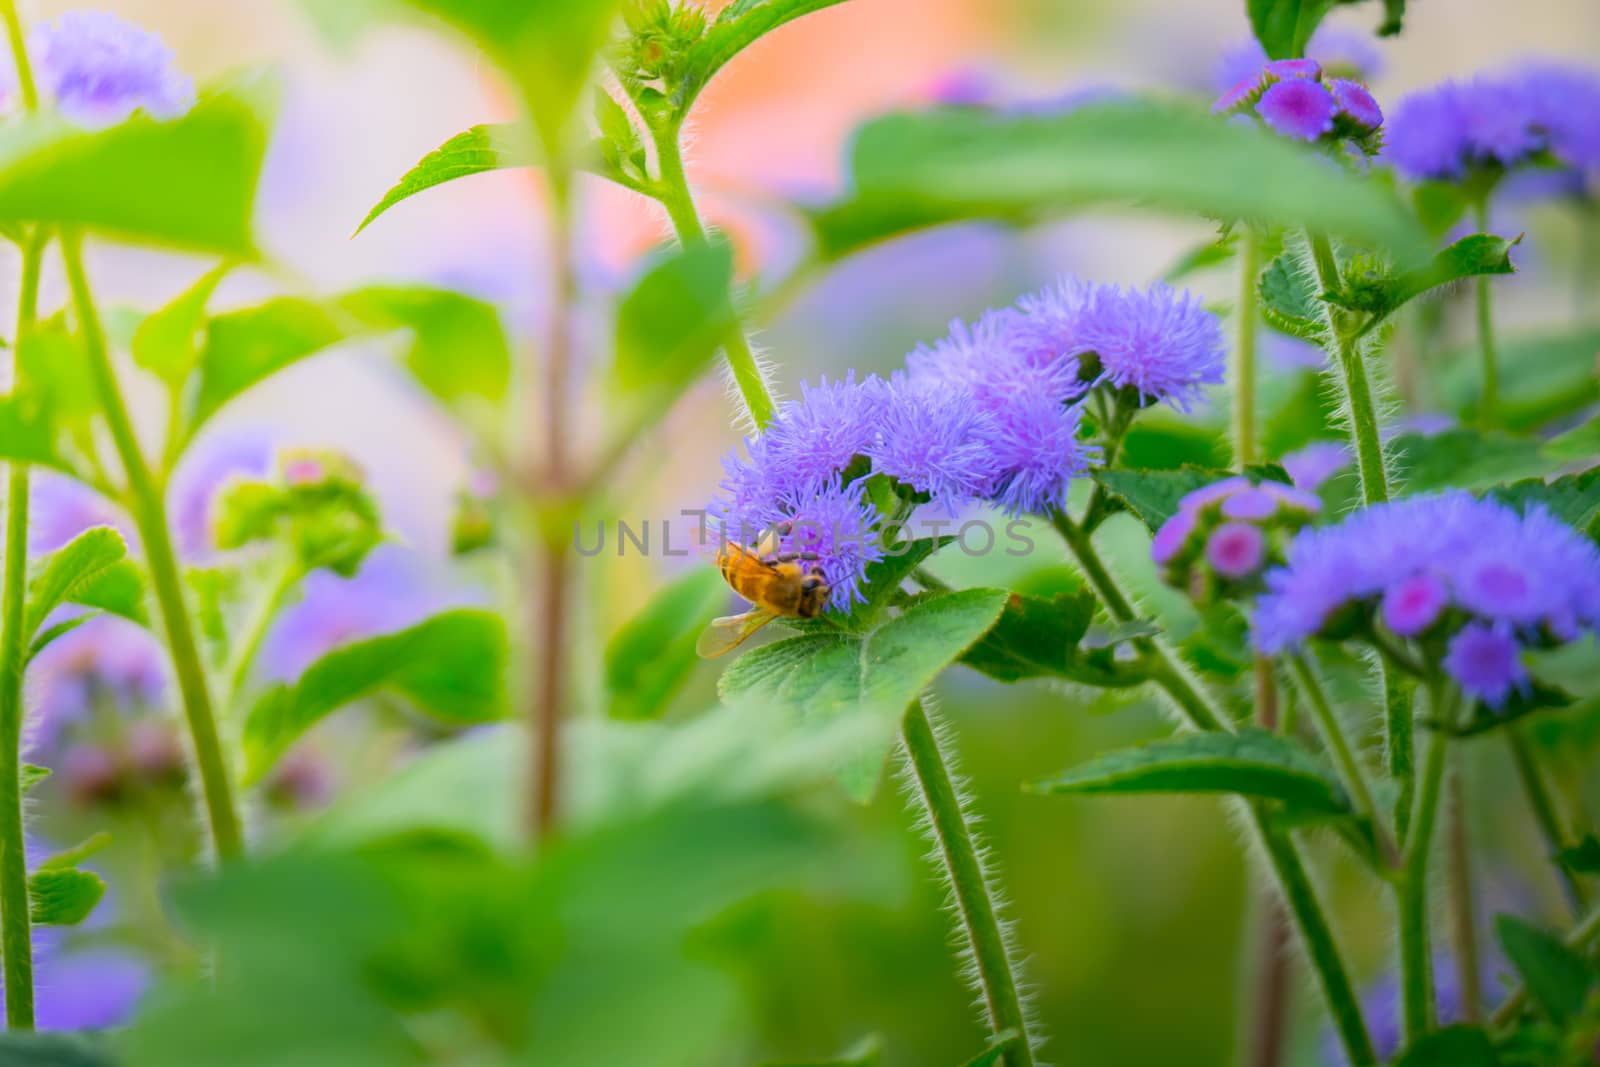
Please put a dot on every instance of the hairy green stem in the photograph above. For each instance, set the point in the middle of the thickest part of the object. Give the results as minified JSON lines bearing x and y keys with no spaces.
{"x":1489,"y":403}
{"x":16,"y":933}
{"x":1344,"y":757}
{"x":1298,"y":893}
{"x":1463,"y":903}
{"x":673,"y":192}
{"x":1544,"y":813}
{"x":1416,"y":957}
{"x":150,"y":518}
{"x":969,"y":884}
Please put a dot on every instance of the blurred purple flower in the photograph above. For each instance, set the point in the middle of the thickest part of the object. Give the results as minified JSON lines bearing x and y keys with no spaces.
{"x":100,"y":69}
{"x":1230,"y":517}
{"x":104,"y":658}
{"x":1487,"y":662}
{"x":1235,"y":549}
{"x":1314,"y":464}
{"x":1342,"y":52}
{"x":244,"y":453}
{"x":61,"y":509}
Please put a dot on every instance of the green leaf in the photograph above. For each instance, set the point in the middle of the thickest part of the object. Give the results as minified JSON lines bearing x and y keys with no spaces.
{"x":28,"y":430}
{"x":167,"y":343}
{"x":475,"y":151}
{"x":1252,"y":763}
{"x":189,"y":182}
{"x":652,"y":655}
{"x":993,"y":1055}
{"x":1464,"y":458}
{"x":72,"y":571}
{"x":670,"y":326}
{"x":1454,"y":1046}
{"x":458,"y":352}
{"x":1572,"y":498}
{"x":63,"y":896}
{"x":75,"y":855}
{"x":1582,"y":858}
{"x":881,"y":580}
{"x":1285,"y":26}
{"x":945,"y":166}
{"x":452,"y":665}
{"x":1041,"y":637}
{"x":1212,"y":253}
{"x":823,"y":677}
{"x":244,"y":347}
{"x":20,"y":1048}
{"x":117,"y":590}
{"x":1481,"y":253}
{"x":1579,"y":444}
{"x":740,"y":25}
{"x":1557,"y":977}
{"x":33,"y":775}
{"x":1542,"y":378}
{"x":1440,"y":205}
{"x":1154,"y":495}
{"x":54,"y":363}
{"x":1289,"y":300}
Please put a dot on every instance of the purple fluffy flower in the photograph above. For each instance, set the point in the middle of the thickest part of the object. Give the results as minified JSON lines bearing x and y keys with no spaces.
{"x":1412,"y":605}
{"x":1486,"y":662}
{"x":1284,"y":69}
{"x":1356,"y":103}
{"x":1250,"y":504}
{"x":84,"y":989}
{"x":1173,"y":536}
{"x":1235,"y":549}
{"x":100,"y":69}
{"x":1298,"y":108}
{"x":1314,"y":464}
{"x":200,"y":478}
{"x":837,"y":525}
{"x":106,"y":658}
{"x":1037,"y":447}
{"x":938,"y":441}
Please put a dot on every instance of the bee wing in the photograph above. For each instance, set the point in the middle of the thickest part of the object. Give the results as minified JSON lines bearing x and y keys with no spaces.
{"x":729,"y":632}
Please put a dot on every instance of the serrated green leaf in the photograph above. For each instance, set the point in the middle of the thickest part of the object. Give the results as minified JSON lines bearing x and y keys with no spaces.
{"x":1465,"y":459}
{"x":826,"y":676}
{"x":1285,"y":26}
{"x":189,"y":182}
{"x":458,"y":351}
{"x":1454,"y":1046}
{"x":452,"y":666}
{"x":1252,"y":763}
{"x":70,"y":571}
{"x":740,"y":25}
{"x":63,"y":896}
{"x":1479,"y":254}
{"x":21,"y":1048}
{"x":1572,"y":498}
{"x":1289,"y":300}
{"x":671,"y":324}
{"x":167,"y":342}
{"x":1154,"y":495}
{"x":919,"y":169}
{"x":245,"y":347}
{"x":652,"y":655}
{"x":1557,"y":977}
{"x":476,"y":151}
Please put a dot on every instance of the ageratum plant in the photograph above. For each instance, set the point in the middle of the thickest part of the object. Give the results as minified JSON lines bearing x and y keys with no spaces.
{"x":289,"y":776}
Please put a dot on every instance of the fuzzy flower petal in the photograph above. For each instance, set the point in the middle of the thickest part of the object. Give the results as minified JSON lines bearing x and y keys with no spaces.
{"x":100,"y":69}
{"x":836,"y":525}
{"x":1314,"y":464}
{"x":937,"y":441}
{"x":1486,"y":662}
{"x":1298,"y":108}
{"x":1356,"y":103}
{"x":1235,"y":549}
{"x":1412,"y":605}
{"x":1159,"y":342}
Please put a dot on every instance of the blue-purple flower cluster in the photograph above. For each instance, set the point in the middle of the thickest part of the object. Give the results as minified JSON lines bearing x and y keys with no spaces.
{"x":1224,"y":534}
{"x":1295,"y":98}
{"x":1493,"y":122}
{"x":991,"y":413}
{"x":1473,"y":582}
{"x":98,"y":69}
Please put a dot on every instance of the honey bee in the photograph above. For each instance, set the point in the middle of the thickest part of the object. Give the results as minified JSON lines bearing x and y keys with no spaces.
{"x":779,"y":586}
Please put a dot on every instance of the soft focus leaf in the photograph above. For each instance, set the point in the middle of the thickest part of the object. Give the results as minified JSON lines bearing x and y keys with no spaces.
{"x":167,"y":343}
{"x":63,"y":896}
{"x":1284,"y":26}
{"x":670,"y":325}
{"x":1154,"y":495}
{"x":1557,"y":977}
{"x":73,"y":571}
{"x":245,"y":347}
{"x":1252,"y":763}
{"x":28,"y":431}
{"x":54,"y":365}
{"x":883,"y":577}
{"x":1467,"y":459}
{"x":458,"y":352}
{"x":1579,"y":444}
{"x":1481,"y":253}
{"x":652,"y":655}
{"x":827,"y":676}
{"x":1212,"y":253}
{"x":189,"y":182}
{"x":866,"y":1053}
{"x":994,"y":1054}
{"x":740,"y":25}
{"x":1542,"y":378}
{"x":21,"y":1048}
{"x":918,"y":169}
{"x":451,"y":665}
{"x":1582,"y":858}
{"x":1289,"y":300}
{"x":475,"y":151}
{"x":1041,"y":637}
{"x":1454,"y":1046}
{"x":32,"y":775}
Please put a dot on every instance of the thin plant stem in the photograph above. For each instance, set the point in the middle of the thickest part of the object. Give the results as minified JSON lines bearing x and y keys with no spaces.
{"x":970,"y":885}
{"x":1416,"y":957}
{"x":1578,"y":939}
{"x":1463,"y":902}
{"x":1298,"y":893}
{"x":237,"y":671}
{"x":1489,"y":403}
{"x":674,"y":194}
{"x":1244,"y":351}
{"x":1543,"y":807}
{"x":17,"y":38}
{"x":16,"y":932}
{"x":150,"y":518}
{"x":1344,"y":757}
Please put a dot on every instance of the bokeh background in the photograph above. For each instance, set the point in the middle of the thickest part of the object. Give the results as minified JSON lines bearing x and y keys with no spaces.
{"x":1133,"y":912}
